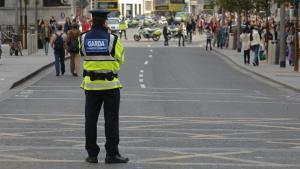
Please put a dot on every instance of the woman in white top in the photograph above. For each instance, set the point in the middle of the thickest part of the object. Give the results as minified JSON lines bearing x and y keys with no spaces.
{"x":255,"y":44}
{"x":245,"y":39}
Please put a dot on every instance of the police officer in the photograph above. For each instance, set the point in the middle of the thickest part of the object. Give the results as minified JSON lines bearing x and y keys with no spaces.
{"x":103,"y":53}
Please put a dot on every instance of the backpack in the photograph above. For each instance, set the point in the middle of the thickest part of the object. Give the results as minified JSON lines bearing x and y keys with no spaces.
{"x":59,"y":43}
{"x":74,"y":44}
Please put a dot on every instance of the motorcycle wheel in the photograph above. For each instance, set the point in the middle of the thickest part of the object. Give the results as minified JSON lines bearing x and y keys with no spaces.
{"x":156,"y":37}
{"x":137,"y":37}
{"x":169,"y":37}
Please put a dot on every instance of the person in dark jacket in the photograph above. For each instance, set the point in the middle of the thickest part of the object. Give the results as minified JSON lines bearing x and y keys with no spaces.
{"x":189,"y":29}
{"x":166,"y":33}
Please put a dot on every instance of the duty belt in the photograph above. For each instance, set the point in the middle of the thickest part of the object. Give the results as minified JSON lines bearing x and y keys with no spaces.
{"x":100,"y":76}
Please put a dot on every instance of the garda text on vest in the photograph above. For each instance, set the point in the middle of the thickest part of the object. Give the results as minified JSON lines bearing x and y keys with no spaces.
{"x":96,"y":45}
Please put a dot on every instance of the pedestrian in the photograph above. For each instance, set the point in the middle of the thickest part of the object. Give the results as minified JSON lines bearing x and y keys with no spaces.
{"x":45,"y":36}
{"x":58,"y":41}
{"x":255,"y":45}
{"x":189,"y":29}
{"x":245,"y":39}
{"x":181,"y":30}
{"x":73,"y":49}
{"x":86,"y":25}
{"x":103,"y":53}
{"x":123,"y":27}
{"x":67,"y":25}
{"x":53,"y":24}
{"x":166,"y":35}
{"x":290,"y":46}
{"x":209,"y":36}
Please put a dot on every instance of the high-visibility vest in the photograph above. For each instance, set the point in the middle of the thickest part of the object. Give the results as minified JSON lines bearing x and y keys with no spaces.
{"x":123,"y":26}
{"x":102,"y":53}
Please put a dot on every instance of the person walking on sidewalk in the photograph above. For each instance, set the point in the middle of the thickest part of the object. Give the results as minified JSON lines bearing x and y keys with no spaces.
{"x":73,"y":49}
{"x":255,"y":45}
{"x":103,"y":53}
{"x":245,"y":39}
{"x":166,"y":34}
{"x":209,"y":37}
{"x":290,"y":45}
{"x":181,"y":32}
{"x":45,"y":36}
{"x":58,"y":41}
{"x":189,"y":30}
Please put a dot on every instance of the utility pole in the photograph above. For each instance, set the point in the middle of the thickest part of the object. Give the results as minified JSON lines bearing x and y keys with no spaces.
{"x":21,"y":17}
{"x":223,"y":16}
{"x":16,"y":18}
{"x":296,"y":55}
{"x":282,"y":36}
{"x":25,"y":22}
{"x":36,"y":15}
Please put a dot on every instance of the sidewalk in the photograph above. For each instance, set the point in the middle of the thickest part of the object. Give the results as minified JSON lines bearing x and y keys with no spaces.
{"x":16,"y":69}
{"x":284,"y":76}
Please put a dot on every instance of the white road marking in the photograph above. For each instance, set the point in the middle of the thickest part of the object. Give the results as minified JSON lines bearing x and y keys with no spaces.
{"x":148,"y":46}
{"x":141,"y":80}
{"x":143,"y":86}
{"x":146,"y":62}
{"x":150,"y":56}
{"x":151,"y":50}
{"x":141,"y":75}
{"x":142,"y":71}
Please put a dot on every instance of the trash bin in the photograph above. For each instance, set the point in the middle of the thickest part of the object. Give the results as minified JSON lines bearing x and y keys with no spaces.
{"x":231,"y":43}
{"x":272,"y":51}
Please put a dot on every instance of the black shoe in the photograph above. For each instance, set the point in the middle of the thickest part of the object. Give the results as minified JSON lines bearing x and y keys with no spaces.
{"x":57,"y":74}
{"x":116,"y":159}
{"x":91,"y":159}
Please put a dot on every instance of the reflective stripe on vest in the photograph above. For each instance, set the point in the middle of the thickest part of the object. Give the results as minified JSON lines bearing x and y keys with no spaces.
{"x":99,"y":86}
{"x":104,"y":71}
{"x":82,"y":44}
{"x":99,"y":57}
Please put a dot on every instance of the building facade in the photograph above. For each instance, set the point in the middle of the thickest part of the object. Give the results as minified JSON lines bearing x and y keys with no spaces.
{"x":148,"y":7}
{"x":10,"y":10}
{"x":169,"y":7}
{"x":131,"y":8}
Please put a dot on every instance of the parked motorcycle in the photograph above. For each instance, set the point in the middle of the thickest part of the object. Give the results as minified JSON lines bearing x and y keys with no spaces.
{"x":173,"y":33}
{"x":148,"y":33}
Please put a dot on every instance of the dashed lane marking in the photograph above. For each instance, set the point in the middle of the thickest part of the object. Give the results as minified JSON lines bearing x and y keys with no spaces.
{"x":143,"y":86}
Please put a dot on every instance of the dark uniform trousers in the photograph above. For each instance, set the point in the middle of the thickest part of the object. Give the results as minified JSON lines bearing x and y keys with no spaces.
{"x":94,"y":101}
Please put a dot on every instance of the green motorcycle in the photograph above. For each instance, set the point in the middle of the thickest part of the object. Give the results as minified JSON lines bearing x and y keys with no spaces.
{"x":147,"y":33}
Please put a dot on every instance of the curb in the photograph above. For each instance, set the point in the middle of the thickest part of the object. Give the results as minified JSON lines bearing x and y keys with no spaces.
{"x":258,"y":74}
{"x":31,"y":75}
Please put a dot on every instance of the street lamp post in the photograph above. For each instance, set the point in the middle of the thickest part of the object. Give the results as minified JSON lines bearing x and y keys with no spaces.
{"x":282,"y":36}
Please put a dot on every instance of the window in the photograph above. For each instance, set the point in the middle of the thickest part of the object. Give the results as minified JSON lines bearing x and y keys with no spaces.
{"x":148,"y":5}
{"x":135,"y":9}
{"x":49,"y":3}
{"x":107,"y":5}
{"x":140,"y":9}
{"x":2,"y":2}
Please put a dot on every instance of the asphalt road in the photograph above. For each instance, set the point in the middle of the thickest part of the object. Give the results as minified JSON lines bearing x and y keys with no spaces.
{"x":181,"y":108}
